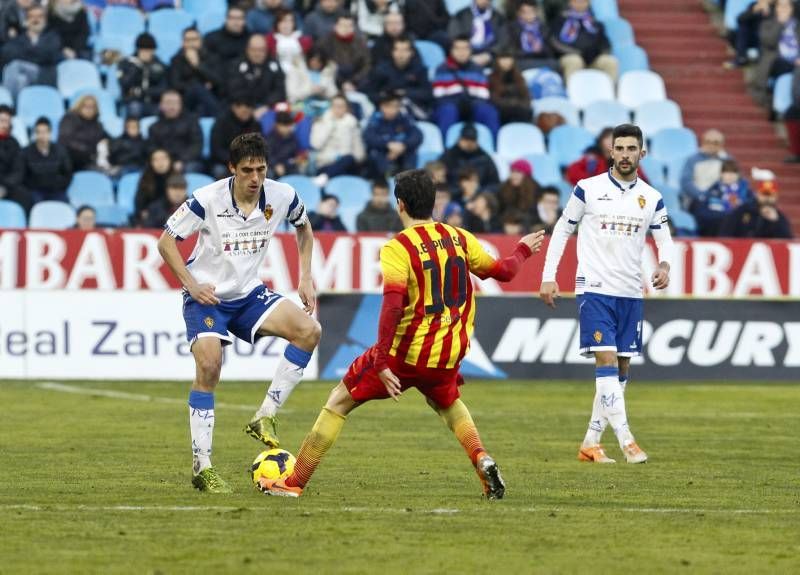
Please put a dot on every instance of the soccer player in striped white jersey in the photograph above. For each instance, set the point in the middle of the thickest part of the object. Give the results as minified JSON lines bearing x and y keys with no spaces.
{"x":615,"y":210}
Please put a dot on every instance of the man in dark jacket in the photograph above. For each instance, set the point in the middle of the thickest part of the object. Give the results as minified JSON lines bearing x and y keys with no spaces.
{"x":466,"y":152}
{"x":405,"y":75}
{"x":179,"y":133}
{"x":236,"y":120}
{"x":758,"y":219}
{"x":158,"y":212}
{"x":484,"y":26}
{"x":394,"y":28}
{"x":379,"y":215}
{"x":31,"y":57}
{"x":142,"y":78}
{"x":345,"y":46}
{"x":259,"y":76}
{"x":228,"y":43}
{"x":9,"y":150}
{"x":321,"y":21}
{"x":529,"y":38}
{"x":285,"y":154}
{"x":43,"y":169}
{"x":427,"y":20}
{"x":580,"y":41}
{"x":191,"y":73}
{"x":391,"y":139}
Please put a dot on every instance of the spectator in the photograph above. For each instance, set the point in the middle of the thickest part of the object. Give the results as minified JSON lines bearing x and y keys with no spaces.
{"x":43,"y":169}
{"x":323,"y":81}
{"x":594,"y":160}
{"x":438,"y":172}
{"x":484,"y":26}
{"x":453,"y":215}
{"x":85,"y":219}
{"x":427,"y":20}
{"x":337,"y":138}
{"x":192,"y":74}
{"x":69,"y":20}
{"x":285,"y":154}
{"x":285,"y":41}
{"x":480,"y":216}
{"x":519,"y":192}
{"x":158,"y":212}
{"x":13,"y":15}
{"x":394,"y":28}
{"x":31,"y":57}
{"x":760,"y":218}
{"x":142,"y":78}
{"x":261,"y":17}
{"x":405,"y":75}
{"x":513,"y":223}
{"x":703,"y":168}
{"x":745,"y":38}
{"x":780,"y":49}
{"x":712,"y":205}
{"x":80,"y":132}
{"x":236,"y":120}
{"x":580,"y":41}
{"x":379,"y":215}
{"x":350,"y":52}
{"x":9,"y":150}
{"x":461,"y":91}
{"x":228,"y":44}
{"x":326,"y":217}
{"x":792,"y":121}
{"x":466,"y":152}
{"x":372,"y":15}
{"x":153,"y":183}
{"x":319,"y":23}
{"x":529,"y":39}
{"x":391,"y":138}
{"x":258,"y":76}
{"x":128,"y":153}
{"x":509,"y":91}
{"x":442,"y":199}
{"x":179,"y":133}
{"x":469,"y":184}
{"x":547,"y":211}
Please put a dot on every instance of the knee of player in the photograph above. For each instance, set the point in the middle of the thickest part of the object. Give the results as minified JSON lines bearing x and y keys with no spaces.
{"x":309,"y":334}
{"x":209,"y":365}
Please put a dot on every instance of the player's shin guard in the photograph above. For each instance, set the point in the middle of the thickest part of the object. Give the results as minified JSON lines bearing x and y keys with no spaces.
{"x":201,"y":423}
{"x":612,"y":403}
{"x":597,"y":423}
{"x":322,"y":437}
{"x":287,"y":376}
{"x":459,"y":420}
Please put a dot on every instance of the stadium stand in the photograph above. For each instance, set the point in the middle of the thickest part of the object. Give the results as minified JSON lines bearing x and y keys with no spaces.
{"x":11,"y":215}
{"x":52,"y":215}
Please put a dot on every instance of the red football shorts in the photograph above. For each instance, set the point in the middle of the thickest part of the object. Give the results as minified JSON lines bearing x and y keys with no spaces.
{"x":438,"y":385}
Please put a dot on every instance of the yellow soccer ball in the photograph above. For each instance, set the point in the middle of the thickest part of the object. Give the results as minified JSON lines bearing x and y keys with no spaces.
{"x":272,"y":464}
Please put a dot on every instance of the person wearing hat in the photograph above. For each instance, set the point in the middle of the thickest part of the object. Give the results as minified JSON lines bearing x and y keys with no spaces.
{"x":142,"y":78}
{"x":520,"y":191}
{"x":391,"y":138}
{"x":760,"y":218}
{"x":467,"y":152}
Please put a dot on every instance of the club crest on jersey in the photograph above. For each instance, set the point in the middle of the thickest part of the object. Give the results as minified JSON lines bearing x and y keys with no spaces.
{"x":598,"y":336}
{"x":642,"y":202}
{"x":268,"y":211}
{"x":209,"y":321}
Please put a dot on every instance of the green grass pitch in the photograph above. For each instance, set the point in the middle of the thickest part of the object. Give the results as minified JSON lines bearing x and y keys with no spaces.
{"x":100,"y":484}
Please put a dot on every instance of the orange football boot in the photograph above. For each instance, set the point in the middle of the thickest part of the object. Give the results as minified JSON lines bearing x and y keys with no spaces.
{"x":278,"y":487}
{"x":594,"y":454}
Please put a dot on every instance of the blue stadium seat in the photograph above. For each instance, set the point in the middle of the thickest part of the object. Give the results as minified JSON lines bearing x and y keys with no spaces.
{"x":562,"y":106}
{"x":732,"y":10}
{"x":5,"y":97}
{"x":684,"y":223}
{"x":111,"y":216}
{"x":206,"y":124}
{"x":675,"y":169}
{"x":672,"y":143}
{"x":672,"y":200}
{"x":587,"y":86}
{"x":305,"y":187}
{"x":605,"y":9}
{"x":431,"y":53}
{"x":20,"y":131}
{"x":502,"y":166}
{"x":90,"y":188}
{"x":518,"y":139}
{"x":782,"y":93}
{"x":113,"y":125}
{"x":604,"y":114}
{"x":619,"y":32}
{"x":126,"y":191}
{"x":195,"y":181}
{"x":119,"y":26}
{"x":302,"y":130}
{"x":210,"y":21}
{"x":11,"y":215}
{"x":653,"y":117}
{"x":76,"y":75}
{"x":198,"y":8}
{"x":353,"y":193}
{"x":655,"y":170}
{"x":565,"y":190}
{"x":631,"y":58}
{"x":640,"y":86}
{"x":426,"y":156}
{"x":454,"y":6}
{"x":105,"y":101}
{"x":566,"y":143}
{"x":52,"y":216}
{"x":35,"y":101}
{"x":431,"y":138}
{"x":145,"y":123}
{"x":485,"y":139}
{"x":544,"y":83}
{"x":167,"y":26}
{"x":112,"y":82}
{"x":545,"y":169}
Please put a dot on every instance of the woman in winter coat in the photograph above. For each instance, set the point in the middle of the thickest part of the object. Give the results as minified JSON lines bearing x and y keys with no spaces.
{"x":80,"y":131}
{"x":336,"y":136}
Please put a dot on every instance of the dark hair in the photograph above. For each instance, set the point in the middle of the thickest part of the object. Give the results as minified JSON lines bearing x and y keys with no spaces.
{"x":245,"y":146}
{"x":284,"y":118}
{"x":549,"y":190}
{"x":380,"y":183}
{"x":627,"y":131}
{"x":467,"y":173}
{"x":415,"y":188}
{"x":345,"y":16}
{"x":403,"y":39}
{"x":43,"y":121}
{"x":729,"y":166}
{"x":177,"y":181}
{"x":83,"y":208}
{"x":459,"y":38}
{"x":191,"y":28}
{"x":281,"y":14}
{"x":233,"y":7}
{"x":4,"y":109}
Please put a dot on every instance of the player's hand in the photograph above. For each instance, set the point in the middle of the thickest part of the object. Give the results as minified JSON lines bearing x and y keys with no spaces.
{"x":549,"y":292}
{"x":534,"y":241}
{"x":391,"y":383}
{"x":660,"y":278}
{"x":203,"y":294}
{"x":307,"y":294}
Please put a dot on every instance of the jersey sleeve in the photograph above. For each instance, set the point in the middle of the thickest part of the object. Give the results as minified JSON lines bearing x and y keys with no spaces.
{"x":186,"y":220}
{"x":395,"y":267}
{"x":479,"y":260}
{"x":660,"y":216}
{"x":296,"y":214}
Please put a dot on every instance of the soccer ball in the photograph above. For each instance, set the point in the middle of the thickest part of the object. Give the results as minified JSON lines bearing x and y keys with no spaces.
{"x":272,"y":464}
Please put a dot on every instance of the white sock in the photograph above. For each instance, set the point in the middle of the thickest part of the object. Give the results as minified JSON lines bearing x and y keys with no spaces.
{"x":623,"y":382}
{"x":612,"y":403}
{"x":201,"y":423}
{"x":287,"y":376}
{"x":597,"y":423}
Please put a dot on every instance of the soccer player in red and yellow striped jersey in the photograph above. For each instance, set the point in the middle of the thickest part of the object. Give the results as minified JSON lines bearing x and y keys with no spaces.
{"x":426,"y":321}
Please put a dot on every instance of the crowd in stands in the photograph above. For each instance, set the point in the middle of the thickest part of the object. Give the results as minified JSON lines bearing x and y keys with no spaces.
{"x":338,"y":88}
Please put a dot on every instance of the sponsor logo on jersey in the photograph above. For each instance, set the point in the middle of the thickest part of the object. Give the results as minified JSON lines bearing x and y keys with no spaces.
{"x":209,"y":321}
{"x":268,"y":211}
{"x":642,"y":202}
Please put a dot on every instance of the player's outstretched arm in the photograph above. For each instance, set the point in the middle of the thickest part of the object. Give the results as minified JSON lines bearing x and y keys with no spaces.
{"x":305,"y":247}
{"x":201,"y":293}
{"x":485,"y":266}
